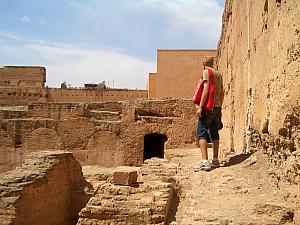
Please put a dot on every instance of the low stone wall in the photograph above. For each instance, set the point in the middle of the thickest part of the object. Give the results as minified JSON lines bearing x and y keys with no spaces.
{"x":60,"y":110}
{"x":13,"y":112}
{"x":47,"y":189}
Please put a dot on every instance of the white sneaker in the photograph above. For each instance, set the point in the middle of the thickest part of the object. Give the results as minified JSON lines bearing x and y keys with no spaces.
{"x":202,"y":166}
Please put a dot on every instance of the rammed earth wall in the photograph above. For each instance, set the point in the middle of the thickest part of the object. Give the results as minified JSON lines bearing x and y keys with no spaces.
{"x":259,"y":57}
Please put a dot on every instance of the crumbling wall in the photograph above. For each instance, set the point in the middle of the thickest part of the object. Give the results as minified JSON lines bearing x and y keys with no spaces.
{"x":173,"y":118}
{"x":47,"y":189}
{"x":149,"y":201}
{"x":60,"y":110}
{"x":107,"y":134}
{"x":258,"y":55}
{"x":284,"y":148}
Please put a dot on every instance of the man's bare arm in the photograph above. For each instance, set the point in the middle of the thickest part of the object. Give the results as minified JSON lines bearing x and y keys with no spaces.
{"x":203,"y":97}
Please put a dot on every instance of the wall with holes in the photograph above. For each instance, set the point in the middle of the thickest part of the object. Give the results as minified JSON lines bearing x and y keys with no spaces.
{"x":93,"y":95}
{"x":22,"y":76}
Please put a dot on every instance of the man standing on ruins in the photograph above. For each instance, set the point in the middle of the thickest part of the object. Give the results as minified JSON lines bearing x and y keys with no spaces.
{"x":209,"y":121}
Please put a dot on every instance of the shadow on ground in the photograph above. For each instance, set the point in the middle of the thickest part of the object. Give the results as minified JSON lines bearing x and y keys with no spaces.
{"x":237,"y":159}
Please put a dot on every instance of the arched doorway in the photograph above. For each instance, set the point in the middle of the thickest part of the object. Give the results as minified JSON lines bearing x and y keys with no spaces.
{"x":154,"y":145}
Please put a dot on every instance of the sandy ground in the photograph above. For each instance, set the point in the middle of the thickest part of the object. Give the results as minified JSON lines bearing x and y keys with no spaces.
{"x":244,"y":190}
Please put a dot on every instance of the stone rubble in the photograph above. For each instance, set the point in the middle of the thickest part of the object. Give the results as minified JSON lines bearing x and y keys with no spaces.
{"x":146,"y":202}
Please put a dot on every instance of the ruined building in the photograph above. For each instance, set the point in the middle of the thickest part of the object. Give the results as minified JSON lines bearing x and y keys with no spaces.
{"x":107,"y":134}
{"x":258,"y":56}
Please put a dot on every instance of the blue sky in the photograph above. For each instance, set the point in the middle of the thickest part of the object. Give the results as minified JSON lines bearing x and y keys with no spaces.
{"x":89,"y":41}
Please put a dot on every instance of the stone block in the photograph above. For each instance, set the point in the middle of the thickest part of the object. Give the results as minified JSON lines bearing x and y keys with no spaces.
{"x":125,"y":176}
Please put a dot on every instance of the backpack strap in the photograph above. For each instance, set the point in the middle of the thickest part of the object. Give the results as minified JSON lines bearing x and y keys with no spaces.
{"x":211,"y":75}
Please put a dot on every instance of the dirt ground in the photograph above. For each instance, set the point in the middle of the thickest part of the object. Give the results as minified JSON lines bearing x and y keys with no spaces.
{"x":244,"y":190}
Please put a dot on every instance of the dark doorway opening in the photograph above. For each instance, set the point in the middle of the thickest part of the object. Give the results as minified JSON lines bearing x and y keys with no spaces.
{"x":154,"y":145}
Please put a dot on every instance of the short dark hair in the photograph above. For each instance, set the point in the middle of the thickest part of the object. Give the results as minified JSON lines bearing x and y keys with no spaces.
{"x":209,"y":61}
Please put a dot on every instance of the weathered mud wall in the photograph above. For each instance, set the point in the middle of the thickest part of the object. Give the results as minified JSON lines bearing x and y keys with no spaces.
{"x":22,"y":76}
{"x":107,"y":134}
{"x":259,"y":57}
{"x":93,"y":95}
{"x":47,"y":189}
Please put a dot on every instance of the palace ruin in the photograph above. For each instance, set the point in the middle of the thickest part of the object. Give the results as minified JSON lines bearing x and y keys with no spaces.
{"x":59,"y":148}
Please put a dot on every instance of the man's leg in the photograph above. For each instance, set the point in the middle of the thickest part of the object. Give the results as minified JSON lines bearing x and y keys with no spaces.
{"x":214,"y":130}
{"x":215,"y":138}
{"x":204,"y":163}
{"x":215,"y":149}
{"x":203,"y":149}
{"x":202,"y":133}
{"x":215,"y":163}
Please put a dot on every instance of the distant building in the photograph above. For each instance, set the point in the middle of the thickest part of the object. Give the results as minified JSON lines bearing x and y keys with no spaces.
{"x":22,"y":76}
{"x":20,"y":85}
{"x":90,"y":86}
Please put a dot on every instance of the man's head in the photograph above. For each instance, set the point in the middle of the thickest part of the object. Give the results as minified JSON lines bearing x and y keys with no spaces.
{"x":208,"y":62}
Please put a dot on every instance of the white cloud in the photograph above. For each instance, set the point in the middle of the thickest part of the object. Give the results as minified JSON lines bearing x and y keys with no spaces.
{"x":42,"y":21}
{"x":26,"y":19}
{"x":198,"y":16}
{"x":9,"y":35}
{"x":77,"y":64}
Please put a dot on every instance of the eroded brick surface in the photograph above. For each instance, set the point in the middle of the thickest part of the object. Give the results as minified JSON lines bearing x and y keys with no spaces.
{"x":146,"y":202}
{"x":95,"y":138}
{"x":125,"y":176}
{"x":47,"y":189}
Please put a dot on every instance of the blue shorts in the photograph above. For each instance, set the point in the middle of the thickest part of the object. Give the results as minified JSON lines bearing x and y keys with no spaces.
{"x":208,"y":125}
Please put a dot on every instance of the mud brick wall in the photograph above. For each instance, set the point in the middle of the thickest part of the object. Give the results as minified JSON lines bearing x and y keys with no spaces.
{"x":47,"y":189}
{"x":22,"y":76}
{"x":107,"y":134}
{"x":259,"y":57}
{"x":94,"y":95}
{"x":178,"y":72}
